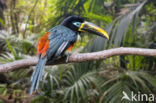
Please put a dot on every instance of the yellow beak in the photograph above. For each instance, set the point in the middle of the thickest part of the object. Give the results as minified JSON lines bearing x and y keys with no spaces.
{"x":92,"y":28}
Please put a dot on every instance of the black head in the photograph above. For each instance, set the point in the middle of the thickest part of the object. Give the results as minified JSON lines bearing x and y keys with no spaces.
{"x":73,"y":22}
{"x":77,"y":24}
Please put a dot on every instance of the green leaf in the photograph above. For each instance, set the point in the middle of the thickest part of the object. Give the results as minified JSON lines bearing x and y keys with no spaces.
{"x":11,"y":49}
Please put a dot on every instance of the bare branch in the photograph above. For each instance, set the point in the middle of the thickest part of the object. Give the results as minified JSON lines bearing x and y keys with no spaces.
{"x":80,"y":57}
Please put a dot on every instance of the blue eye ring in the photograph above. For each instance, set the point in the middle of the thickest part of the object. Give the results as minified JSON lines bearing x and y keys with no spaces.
{"x":78,"y":24}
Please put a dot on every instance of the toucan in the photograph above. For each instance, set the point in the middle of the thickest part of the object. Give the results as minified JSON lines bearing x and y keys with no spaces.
{"x":57,"y":40}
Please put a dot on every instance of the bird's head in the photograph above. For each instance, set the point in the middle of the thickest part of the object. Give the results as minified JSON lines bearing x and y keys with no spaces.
{"x":78,"y":24}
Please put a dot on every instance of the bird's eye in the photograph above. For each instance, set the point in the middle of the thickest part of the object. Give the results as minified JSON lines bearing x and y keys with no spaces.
{"x":78,"y":24}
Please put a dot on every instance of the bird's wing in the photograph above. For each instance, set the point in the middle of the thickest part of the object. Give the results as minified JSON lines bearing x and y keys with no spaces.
{"x":56,"y":41}
{"x":62,"y":47}
{"x":60,"y":39}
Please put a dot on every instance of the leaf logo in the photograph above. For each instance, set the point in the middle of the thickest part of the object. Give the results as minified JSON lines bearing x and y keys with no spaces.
{"x":125,"y":96}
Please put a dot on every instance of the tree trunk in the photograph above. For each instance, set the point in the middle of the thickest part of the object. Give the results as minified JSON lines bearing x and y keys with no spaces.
{"x":2,"y":7}
{"x":14,"y":17}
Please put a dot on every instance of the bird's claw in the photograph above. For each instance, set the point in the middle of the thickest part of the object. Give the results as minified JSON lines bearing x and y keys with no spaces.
{"x":66,"y":55}
{"x":67,"y":58}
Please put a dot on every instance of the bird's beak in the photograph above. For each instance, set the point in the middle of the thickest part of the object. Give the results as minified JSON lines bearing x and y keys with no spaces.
{"x":92,"y":28}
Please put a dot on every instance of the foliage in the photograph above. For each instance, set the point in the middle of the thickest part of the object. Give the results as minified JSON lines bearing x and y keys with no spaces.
{"x":129,"y":23}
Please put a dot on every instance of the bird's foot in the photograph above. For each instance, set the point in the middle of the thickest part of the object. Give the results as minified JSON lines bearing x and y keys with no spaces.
{"x":67,"y":59}
{"x":66,"y":55}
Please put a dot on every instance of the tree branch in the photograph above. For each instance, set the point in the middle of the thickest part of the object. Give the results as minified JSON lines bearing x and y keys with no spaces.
{"x":80,"y":57}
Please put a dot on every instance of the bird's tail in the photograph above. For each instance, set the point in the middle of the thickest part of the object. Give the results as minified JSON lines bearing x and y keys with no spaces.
{"x":37,"y":74}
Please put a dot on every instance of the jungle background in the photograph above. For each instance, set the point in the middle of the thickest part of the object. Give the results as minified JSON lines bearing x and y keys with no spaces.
{"x":130,"y":23}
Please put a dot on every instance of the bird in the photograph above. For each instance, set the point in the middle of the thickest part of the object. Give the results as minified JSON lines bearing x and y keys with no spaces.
{"x":59,"y":39}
